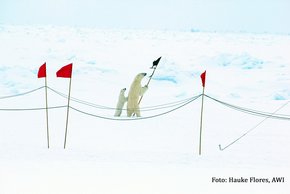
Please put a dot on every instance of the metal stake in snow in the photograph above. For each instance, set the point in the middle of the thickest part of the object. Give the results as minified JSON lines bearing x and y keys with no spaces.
{"x":154,"y":67}
{"x":66,"y":72}
{"x":202,"y":76}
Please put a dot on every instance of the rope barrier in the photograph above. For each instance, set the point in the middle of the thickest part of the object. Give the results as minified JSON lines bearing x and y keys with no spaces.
{"x":177,"y":104}
{"x":78,"y":100}
{"x":251,"y":129}
{"x":31,"y":109}
{"x":251,"y":111}
{"x":135,"y":118}
{"x":22,"y":94}
{"x":148,"y":108}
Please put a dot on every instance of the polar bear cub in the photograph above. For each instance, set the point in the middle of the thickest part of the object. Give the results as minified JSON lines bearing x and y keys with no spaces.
{"x":121,"y":101}
{"x":136,"y":90}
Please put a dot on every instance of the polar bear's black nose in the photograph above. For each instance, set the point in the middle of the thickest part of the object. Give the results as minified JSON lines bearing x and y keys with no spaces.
{"x":144,"y":74}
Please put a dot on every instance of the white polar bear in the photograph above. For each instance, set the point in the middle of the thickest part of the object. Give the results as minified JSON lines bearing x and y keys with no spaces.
{"x":136,"y":90}
{"x":121,"y":101}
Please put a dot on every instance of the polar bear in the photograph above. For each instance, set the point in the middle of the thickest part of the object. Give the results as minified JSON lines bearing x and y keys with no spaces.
{"x":121,"y":101}
{"x":136,"y":90}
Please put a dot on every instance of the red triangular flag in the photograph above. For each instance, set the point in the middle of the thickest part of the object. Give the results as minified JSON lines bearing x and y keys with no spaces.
{"x":65,"y":71}
{"x":202,"y":76}
{"x":42,"y":71}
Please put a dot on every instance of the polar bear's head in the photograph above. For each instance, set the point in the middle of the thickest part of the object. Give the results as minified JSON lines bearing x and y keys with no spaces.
{"x":140,"y":76}
{"x":123,"y":90}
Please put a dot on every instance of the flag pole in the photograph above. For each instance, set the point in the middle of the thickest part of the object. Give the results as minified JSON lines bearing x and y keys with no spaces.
{"x":46,"y":103}
{"x":201,"y":117}
{"x":67,"y":113}
{"x":42,"y":73}
{"x":148,"y":83}
{"x":154,"y":67}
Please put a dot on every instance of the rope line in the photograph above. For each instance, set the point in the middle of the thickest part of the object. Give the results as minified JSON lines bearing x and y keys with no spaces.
{"x":262,"y":112}
{"x":251,"y":111}
{"x":31,"y":109}
{"x":136,"y":118}
{"x":148,"y":108}
{"x":78,"y":100}
{"x":251,"y":129}
{"x":177,"y":104}
{"x":21,"y":94}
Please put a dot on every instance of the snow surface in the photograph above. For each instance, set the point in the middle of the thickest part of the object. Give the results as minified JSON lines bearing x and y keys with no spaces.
{"x":158,"y":155}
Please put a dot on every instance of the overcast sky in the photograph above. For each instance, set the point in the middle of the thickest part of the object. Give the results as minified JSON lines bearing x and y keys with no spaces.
{"x":209,"y":15}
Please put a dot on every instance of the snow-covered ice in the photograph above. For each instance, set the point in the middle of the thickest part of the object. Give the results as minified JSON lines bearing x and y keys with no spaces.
{"x":158,"y":155}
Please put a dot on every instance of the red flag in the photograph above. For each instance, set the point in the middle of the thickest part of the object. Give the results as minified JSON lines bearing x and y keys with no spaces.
{"x":65,"y":71}
{"x":202,"y":76}
{"x":42,"y":71}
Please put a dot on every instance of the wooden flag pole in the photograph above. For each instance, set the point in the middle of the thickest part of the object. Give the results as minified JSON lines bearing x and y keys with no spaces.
{"x":67,"y":113}
{"x":154,"y":67}
{"x":47,"y":129}
{"x":148,"y":82}
{"x":201,"y":115}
